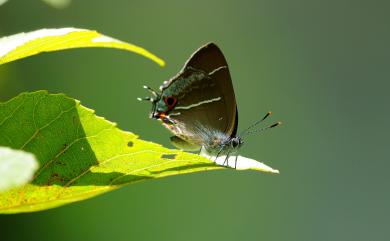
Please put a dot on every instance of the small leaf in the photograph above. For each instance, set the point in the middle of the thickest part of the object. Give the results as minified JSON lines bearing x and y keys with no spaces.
{"x":2,"y":2}
{"x":80,"y":155}
{"x":59,"y":4}
{"x":22,"y":45}
{"x":16,"y":168}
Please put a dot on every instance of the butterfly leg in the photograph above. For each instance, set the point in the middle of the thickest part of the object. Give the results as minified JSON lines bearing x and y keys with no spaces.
{"x":235,"y":163}
{"x":219,"y":152}
{"x":226,"y":159}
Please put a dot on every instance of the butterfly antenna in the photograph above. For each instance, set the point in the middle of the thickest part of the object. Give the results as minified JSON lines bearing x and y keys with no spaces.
{"x":151,"y":90}
{"x":146,"y":99}
{"x":263,"y":129}
{"x":256,"y":123}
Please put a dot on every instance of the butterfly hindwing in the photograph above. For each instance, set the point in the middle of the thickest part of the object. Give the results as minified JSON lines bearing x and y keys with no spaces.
{"x":204,"y":96}
{"x":183,"y":145}
{"x":207,"y":58}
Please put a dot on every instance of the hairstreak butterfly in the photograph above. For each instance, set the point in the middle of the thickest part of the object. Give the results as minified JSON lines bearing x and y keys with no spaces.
{"x":199,"y":107}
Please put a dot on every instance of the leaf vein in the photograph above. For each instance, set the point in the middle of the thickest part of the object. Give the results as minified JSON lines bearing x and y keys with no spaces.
{"x":47,"y":164}
{"x":45,"y":126}
{"x":13,"y":113}
{"x":63,"y":151}
{"x":148,"y":167}
{"x":105,"y":161}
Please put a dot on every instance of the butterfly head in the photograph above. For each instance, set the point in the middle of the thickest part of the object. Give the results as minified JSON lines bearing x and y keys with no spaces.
{"x":162,"y":105}
{"x":236,"y":142}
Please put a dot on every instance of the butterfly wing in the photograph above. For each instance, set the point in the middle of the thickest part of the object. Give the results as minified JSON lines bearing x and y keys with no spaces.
{"x":204,"y":97}
{"x":207,"y":58}
{"x":183,"y":145}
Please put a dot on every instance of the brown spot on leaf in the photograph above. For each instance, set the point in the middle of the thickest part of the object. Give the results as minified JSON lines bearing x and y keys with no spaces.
{"x":169,"y":156}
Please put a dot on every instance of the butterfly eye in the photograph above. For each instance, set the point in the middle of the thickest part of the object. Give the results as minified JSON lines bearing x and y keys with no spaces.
{"x":170,"y":101}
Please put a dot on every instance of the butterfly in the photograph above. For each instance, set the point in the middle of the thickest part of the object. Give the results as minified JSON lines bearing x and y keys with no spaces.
{"x":199,"y":107}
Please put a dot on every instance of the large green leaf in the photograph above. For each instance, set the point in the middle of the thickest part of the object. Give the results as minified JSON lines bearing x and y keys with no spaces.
{"x":81,"y":155}
{"x":22,"y":45}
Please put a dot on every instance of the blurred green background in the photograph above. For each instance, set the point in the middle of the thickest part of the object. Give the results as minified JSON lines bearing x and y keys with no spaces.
{"x":322,"y":67}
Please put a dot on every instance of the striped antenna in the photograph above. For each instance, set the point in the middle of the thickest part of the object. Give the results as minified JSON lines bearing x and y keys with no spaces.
{"x":263,"y":129}
{"x":244,"y":133}
{"x":151,"y":90}
{"x":146,"y":99}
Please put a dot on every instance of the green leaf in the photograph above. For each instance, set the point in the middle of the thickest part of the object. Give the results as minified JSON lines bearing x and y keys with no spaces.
{"x":22,"y":45}
{"x":2,"y":2}
{"x":80,"y":154}
{"x":59,"y":4}
{"x":16,"y":168}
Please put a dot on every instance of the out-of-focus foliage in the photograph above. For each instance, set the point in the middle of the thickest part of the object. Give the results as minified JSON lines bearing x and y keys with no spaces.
{"x":16,"y":168}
